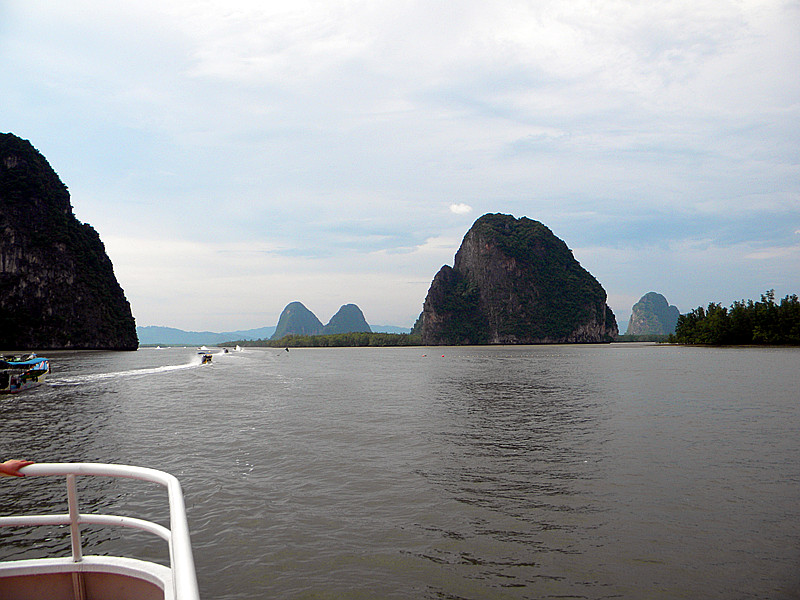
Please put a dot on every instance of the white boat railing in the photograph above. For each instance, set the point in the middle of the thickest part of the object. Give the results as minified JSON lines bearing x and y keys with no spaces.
{"x":184,"y":578}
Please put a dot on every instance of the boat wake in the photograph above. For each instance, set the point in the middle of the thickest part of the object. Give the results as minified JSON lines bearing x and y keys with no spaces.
{"x":79,"y":379}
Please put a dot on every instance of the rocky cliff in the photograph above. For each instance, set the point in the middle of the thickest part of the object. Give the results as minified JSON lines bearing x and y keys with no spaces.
{"x":347,"y":319}
{"x":57,"y":284}
{"x":514,"y":282}
{"x":652,"y":315}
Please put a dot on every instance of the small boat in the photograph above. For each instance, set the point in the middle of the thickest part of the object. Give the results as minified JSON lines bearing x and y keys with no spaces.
{"x":206,"y":359}
{"x":96,"y":577}
{"x":19,"y":373}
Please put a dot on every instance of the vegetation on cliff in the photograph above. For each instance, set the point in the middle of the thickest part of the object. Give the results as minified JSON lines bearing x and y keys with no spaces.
{"x":514,"y":282}
{"x":456,"y":317}
{"x":57,"y":284}
{"x":745,"y":322}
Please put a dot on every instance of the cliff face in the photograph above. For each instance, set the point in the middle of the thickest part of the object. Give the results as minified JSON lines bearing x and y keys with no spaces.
{"x":57,"y":285}
{"x":298,"y":320}
{"x":653,"y":315}
{"x":347,"y":319}
{"x":514,"y":282}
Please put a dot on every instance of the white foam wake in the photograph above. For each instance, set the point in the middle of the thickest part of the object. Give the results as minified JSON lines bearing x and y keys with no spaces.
{"x":195,"y":362}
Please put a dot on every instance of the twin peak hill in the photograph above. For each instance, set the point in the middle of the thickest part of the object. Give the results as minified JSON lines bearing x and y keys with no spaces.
{"x":514,"y":282}
{"x":57,"y":284}
{"x":296,"y":319}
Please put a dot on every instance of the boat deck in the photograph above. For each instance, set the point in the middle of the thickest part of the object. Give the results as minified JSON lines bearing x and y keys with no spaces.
{"x":79,"y":577}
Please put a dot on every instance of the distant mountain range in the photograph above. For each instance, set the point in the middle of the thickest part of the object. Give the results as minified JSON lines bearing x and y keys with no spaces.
{"x":152,"y":335}
{"x":169,"y":336}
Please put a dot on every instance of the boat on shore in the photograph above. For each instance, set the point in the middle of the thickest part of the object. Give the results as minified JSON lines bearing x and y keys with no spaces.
{"x":95,"y":577}
{"x":19,"y":373}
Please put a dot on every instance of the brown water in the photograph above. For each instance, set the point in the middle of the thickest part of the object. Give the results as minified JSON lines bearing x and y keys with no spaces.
{"x":621,"y":471}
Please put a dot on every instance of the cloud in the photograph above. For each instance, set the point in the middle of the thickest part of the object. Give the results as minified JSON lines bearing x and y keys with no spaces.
{"x":460,"y":209}
{"x":225,"y":285}
{"x":317,"y":138}
{"x":774,"y":253}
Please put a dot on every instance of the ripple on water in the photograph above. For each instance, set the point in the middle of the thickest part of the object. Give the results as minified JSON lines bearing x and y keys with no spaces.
{"x":530,"y":472}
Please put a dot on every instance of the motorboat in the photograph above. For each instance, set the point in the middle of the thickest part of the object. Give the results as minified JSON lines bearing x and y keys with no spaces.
{"x":94,"y":577}
{"x":19,"y":373}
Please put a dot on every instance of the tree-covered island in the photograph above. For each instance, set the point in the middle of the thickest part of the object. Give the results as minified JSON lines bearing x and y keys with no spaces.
{"x":761,"y":323}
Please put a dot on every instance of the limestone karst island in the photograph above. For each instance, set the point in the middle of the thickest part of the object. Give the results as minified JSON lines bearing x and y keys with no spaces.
{"x":514,"y":282}
{"x":653,"y":315}
{"x":57,"y":284}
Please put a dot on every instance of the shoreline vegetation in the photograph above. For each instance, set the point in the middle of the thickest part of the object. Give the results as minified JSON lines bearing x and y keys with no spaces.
{"x":763,"y":323}
{"x":745,"y":323}
{"x":644,"y":337}
{"x":378,"y":340}
{"x":337,"y":340}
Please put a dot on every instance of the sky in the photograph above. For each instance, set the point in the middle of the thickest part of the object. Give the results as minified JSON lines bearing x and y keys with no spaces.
{"x":235,"y":155}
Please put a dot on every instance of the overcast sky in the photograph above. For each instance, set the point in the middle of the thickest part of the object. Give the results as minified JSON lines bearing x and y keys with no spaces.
{"x":235,"y":156}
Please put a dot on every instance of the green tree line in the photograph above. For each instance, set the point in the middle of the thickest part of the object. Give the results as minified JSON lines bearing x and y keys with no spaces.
{"x":763,"y":322}
{"x":354,"y":339}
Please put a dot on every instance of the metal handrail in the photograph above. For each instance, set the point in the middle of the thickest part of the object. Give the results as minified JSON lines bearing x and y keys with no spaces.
{"x":180,"y":549}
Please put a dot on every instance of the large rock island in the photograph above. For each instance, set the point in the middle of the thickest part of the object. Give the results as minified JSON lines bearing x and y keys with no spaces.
{"x":653,"y":315}
{"x":514,"y":282}
{"x":296,"y":319}
{"x":348,"y":319}
{"x":57,"y":284}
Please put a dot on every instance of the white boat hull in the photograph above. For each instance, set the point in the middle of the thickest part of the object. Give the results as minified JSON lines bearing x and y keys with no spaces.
{"x":79,"y":577}
{"x":94,"y":578}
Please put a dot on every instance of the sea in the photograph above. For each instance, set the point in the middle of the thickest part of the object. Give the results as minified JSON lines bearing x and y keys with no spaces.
{"x":631,"y":471}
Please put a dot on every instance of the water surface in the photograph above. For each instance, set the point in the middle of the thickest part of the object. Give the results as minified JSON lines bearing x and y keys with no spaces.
{"x":614,"y":471}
